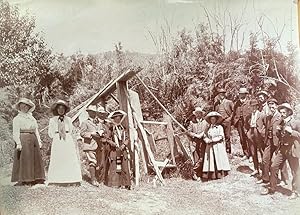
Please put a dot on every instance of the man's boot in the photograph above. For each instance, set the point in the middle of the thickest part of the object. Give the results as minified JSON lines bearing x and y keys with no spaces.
{"x":93,"y":176}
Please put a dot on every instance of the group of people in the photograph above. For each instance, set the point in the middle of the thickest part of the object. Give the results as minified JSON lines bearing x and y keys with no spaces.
{"x":265,"y":128}
{"x":105,"y":145}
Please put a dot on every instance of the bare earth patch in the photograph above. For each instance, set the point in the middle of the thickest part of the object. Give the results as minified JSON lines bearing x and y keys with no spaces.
{"x":235,"y":194}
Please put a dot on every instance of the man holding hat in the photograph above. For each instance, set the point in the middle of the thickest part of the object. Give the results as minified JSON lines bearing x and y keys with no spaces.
{"x":91,"y":130}
{"x":241,"y":111}
{"x":224,"y":106}
{"x":289,"y":149}
{"x":196,"y":131}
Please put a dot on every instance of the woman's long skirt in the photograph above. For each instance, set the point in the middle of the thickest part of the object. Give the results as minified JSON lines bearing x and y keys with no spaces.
{"x":64,"y":164}
{"x":28,"y":165}
{"x":216,"y":163}
{"x":113,"y":177}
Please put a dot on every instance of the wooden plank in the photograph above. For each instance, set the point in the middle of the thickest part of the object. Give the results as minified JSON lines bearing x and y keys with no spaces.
{"x":170,"y":135}
{"x":183,"y":149}
{"x":107,"y":90}
{"x":151,"y":141}
{"x":136,"y":104}
{"x":143,"y":152}
{"x":148,"y":149}
{"x":122,"y":93}
{"x":154,"y":123}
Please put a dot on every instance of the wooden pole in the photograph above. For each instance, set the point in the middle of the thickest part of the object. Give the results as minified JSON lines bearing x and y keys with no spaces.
{"x":160,"y":104}
{"x":122,"y":92}
{"x":170,"y":135}
{"x":148,"y":149}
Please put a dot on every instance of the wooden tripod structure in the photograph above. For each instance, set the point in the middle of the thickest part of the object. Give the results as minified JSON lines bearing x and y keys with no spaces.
{"x":141,"y":141}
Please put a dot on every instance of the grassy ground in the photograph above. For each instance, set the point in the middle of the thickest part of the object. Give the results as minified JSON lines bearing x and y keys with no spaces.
{"x":235,"y":194}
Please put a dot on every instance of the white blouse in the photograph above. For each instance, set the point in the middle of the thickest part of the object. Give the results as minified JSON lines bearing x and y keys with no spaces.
{"x":24,"y":121}
{"x":53,"y":126}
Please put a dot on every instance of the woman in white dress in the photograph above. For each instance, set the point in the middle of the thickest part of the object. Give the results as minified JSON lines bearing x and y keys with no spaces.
{"x":64,"y":167}
{"x":216,"y":163}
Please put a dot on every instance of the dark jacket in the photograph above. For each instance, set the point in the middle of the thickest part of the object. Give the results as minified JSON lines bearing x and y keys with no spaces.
{"x":267,"y":127}
{"x":291,"y":142}
{"x":241,"y":111}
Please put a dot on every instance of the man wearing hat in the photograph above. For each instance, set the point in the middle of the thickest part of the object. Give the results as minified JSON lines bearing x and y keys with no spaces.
{"x":224,"y":106}
{"x":241,"y":111}
{"x":254,"y":137}
{"x":268,"y":129}
{"x":262,"y":97}
{"x":91,"y":130}
{"x":196,"y":131}
{"x":289,"y":149}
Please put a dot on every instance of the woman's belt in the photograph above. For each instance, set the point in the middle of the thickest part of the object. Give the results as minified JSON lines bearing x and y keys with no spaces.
{"x":30,"y":131}
{"x":58,"y":132}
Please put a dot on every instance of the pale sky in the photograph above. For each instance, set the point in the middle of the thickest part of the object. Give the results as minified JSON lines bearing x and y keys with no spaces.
{"x":93,"y":26}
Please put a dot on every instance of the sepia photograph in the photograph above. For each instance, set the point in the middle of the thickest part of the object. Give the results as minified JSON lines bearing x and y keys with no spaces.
{"x":149,"y":107}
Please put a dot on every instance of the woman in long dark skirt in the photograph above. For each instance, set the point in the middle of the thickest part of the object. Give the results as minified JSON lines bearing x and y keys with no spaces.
{"x":118,"y":174}
{"x":28,"y":167}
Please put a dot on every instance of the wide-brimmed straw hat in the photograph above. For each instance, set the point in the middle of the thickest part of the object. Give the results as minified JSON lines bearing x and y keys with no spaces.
{"x":263,"y":92}
{"x":198,"y":110}
{"x":117,"y":113}
{"x":243,"y":90}
{"x":92,"y":108}
{"x":60,"y":102}
{"x":286,"y":106}
{"x":25,"y":101}
{"x":213,"y":114}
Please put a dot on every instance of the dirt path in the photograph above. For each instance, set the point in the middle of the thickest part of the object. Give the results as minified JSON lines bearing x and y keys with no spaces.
{"x":235,"y":194}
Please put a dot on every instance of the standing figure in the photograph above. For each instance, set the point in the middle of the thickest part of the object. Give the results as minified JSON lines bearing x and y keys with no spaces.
{"x":196,"y":130}
{"x":216,"y":162}
{"x":255,"y":139}
{"x":118,"y":174}
{"x":64,"y":167}
{"x":268,"y":129}
{"x":262,"y":97}
{"x":91,"y":130}
{"x":224,"y":106}
{"x":28,"y":166}
{"x":289,"y":149}
{"x":241,"y":111}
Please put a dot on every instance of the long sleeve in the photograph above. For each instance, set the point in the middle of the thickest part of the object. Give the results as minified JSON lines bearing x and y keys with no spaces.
{"x":37,"y":133}
{"x":16,"y":131}
{"x":84,"y":131}
{"x":70,"y":124}
{"x":51,"y":131}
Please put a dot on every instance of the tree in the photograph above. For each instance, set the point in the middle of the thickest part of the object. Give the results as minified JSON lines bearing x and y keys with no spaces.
{"x":25,"y":60}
